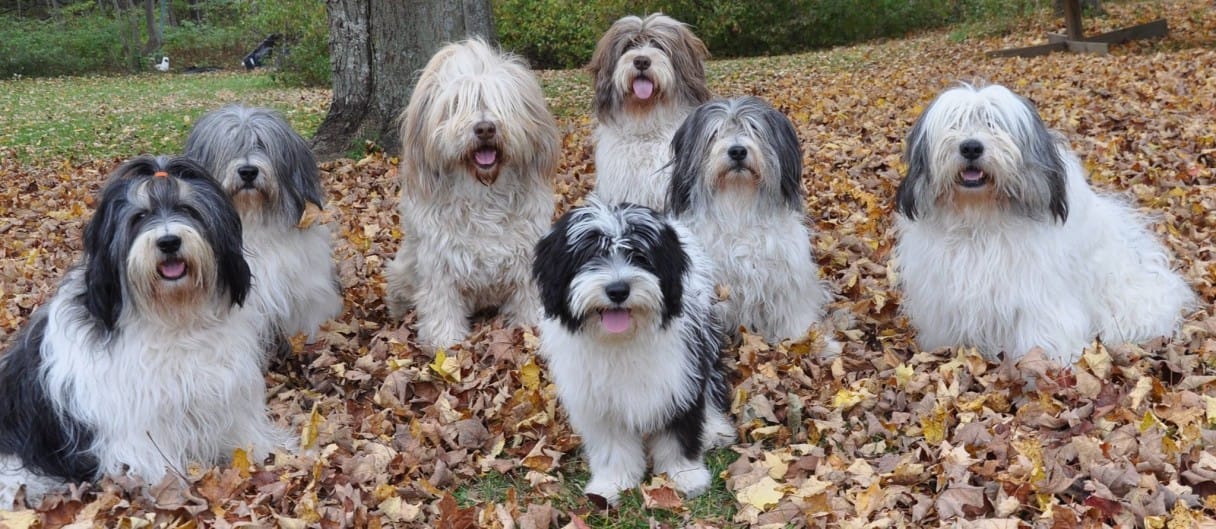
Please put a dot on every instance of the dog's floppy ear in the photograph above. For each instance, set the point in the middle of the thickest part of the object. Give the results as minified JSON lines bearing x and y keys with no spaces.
{"x":553,"y":268}
{"x":1044,"y":152}
{"x":685,"y":163}
{"x":670,"y":264}
{"x":603,"y":62}
{"x":916,"y":158}
{"x":789,"y":155}
{"x":105,"y":248}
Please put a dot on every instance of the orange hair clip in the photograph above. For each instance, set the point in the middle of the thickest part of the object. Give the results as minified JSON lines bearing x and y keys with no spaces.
{"x":160,"y":174}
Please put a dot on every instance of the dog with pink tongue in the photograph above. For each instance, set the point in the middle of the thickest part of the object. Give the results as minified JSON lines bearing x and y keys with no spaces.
{"x":649,"y":75}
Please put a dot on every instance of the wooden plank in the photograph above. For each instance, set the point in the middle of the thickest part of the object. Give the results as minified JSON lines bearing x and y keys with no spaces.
{"x":1072,"y":19}
{"x":1148,"y":30}
{"x":1083,"y":46}
{"x":1030,"y":51}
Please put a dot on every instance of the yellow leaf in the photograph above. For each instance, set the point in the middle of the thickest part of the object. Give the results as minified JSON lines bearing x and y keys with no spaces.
{"x":847,"y":398}
{"x":1209,"y":404}
{"x":903,"y":375}
{"x":240,"y":461}
{"x":777,"y":467}
{"x":1143,"y":386}
{"x":445,"y":366}
{"x":529,"y":374}
{"x":761,"y":494}
{"x":308,"y":437}
{"x":19,"y":519}
{"x":868,"y":500}
{"x":311,"y":213}
{"x":934,"y":426}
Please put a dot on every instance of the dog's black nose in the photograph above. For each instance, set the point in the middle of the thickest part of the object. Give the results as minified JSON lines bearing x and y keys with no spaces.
{"x":617,"y":291}
{"x":169,"y":243}
{"x":641,"y":63}
{"x":737,"y":153}
{"x":248,"y":173}
{"x":485,"y":130}
{"x":971,"y":149}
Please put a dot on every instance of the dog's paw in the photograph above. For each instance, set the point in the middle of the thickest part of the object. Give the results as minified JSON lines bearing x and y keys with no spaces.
{"x":602,"y":493}
{"x":691,"y":482}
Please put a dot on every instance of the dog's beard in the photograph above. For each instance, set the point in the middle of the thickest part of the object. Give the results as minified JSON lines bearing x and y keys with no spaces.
{"x":643,"y":90}
{"x":167,"y":284}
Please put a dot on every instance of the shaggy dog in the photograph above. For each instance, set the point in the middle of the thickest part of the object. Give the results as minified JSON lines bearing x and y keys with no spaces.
{"x":1004,"y":246}
{"x":271,"y":175}
{"x":737,"y":184}
{"x":478,"y":155}
{"x":648,"y":76}
{"x":143,"y":359}
{"x":633,"y":346}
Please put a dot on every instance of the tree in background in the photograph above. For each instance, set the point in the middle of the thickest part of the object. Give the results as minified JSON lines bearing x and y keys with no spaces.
{"x":375,"y":47}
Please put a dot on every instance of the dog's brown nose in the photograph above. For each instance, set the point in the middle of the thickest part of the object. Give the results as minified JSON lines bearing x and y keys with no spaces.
{"x":484,"y":130}
{"x":641,"y":63}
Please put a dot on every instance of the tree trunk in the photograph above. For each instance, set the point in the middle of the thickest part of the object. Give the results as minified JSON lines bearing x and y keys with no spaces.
{"x":375,"y":46}
{"x":154,"y":36}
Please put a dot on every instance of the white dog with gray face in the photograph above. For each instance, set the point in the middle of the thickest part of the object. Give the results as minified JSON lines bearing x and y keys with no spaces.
{"x":648,"y":76}
{"x":479,"y":151}
{"x":737,"y":183}
{"x":1002,"y":244}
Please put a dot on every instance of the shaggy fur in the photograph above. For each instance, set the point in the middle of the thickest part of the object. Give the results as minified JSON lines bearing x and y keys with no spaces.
{"x":648,"y":76}
{"x":633,"y":346}
{"x":142,"y":359}
{"x":478,"y":155}
{"x":271,"y":175}
{"x":737,"y":184}
{"x":1004,"y":246}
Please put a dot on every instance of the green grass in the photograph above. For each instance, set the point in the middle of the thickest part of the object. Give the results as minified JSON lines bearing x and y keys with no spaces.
{"x":716,"y":506}
{"x":79,"y":118}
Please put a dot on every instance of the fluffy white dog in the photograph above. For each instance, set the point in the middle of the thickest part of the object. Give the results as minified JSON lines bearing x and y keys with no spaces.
{"x":737,"y":183}
{"x":633,"y":345}
{"x":480,"y":148}
{"x":1004,"y":246}
{"x":271,"y":175}
{"x":648,"y":76}
{"x":142,"y":360}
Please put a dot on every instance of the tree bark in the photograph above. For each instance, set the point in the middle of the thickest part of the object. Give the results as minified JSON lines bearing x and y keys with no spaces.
{"x":375,"y":47}
{"x":154,"y":36}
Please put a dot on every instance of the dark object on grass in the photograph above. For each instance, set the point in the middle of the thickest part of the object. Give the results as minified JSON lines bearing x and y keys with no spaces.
{"x":201,"y":69}
{"x":258,"y":56}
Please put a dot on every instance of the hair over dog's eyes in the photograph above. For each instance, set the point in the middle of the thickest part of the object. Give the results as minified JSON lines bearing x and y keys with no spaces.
{"x":138,"y":217}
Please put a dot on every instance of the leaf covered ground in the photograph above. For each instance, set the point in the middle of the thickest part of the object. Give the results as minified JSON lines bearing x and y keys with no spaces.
{"x":882,"y":436}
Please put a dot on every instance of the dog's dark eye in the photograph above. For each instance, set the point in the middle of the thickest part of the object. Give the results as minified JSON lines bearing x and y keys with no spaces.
{"x":188,"y":211}
{"x":138,"y":217}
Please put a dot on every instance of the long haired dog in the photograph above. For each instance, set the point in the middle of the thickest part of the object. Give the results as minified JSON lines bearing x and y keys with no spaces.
{"x":737,"y":183}
{"x":633,"y":346}
{"x":1003,"y":246}
{"x":648,"y":76}
{"x":271,"y":175}
{"x":142,"y":358}
{"x":478,"y":155}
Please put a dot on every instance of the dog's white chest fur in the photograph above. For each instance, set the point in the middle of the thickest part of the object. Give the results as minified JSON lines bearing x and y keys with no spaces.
{"x":631,"y":154}
{"x":293,"y":280}
{"x":764,"y":261}
{"x":621,"y":383}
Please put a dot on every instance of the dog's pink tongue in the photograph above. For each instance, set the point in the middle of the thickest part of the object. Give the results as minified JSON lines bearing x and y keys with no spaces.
{"x":615,"y":320}
{"x":486,"y":156}
{"x":973,"y":175}
{"x":643,"y":88}
{"x":172,"y":269}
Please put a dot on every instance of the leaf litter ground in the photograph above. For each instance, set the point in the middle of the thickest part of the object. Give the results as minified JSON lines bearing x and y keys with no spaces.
{"x":882,"y":436}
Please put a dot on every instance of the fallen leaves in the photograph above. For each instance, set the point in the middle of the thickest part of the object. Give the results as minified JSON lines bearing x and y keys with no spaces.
{"x":881,"y":435}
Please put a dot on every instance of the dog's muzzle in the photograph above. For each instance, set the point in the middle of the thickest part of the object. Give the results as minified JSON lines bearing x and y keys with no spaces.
{"x":171,"y":267}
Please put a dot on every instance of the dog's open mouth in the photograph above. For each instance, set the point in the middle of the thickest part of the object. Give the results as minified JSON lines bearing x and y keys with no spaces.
{"x":172,"y":269}
{"x":643,"y":88}
{"x":485,"y":158}
{"x":615,"y":321}
{"x":972,"y":177}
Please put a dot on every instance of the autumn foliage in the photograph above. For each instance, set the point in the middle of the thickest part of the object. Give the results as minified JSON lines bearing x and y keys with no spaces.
{"x":883,"y":436}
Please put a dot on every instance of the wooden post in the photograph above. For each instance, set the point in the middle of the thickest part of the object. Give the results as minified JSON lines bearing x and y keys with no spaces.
{"x":1072,"y":19}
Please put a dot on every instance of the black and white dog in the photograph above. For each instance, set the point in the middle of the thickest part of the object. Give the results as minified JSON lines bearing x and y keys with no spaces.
{"x":142,"y":359}
{"x":633,"y":346}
